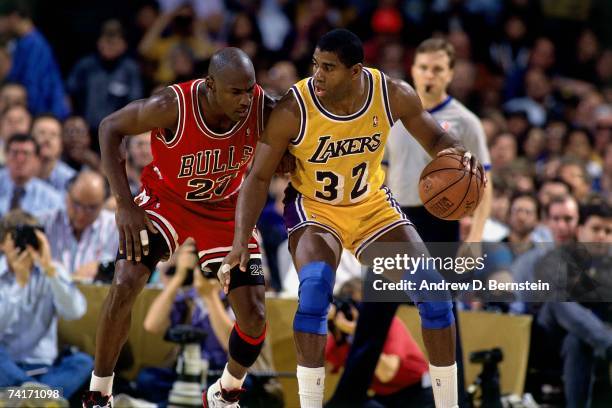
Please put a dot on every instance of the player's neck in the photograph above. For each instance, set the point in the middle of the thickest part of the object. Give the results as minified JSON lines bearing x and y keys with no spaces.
{"x":351,"y":101}
{"x":431,"y":101}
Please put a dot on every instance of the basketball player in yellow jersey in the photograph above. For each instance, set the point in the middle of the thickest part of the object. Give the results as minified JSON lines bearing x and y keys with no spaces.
{"x":336,"y":124}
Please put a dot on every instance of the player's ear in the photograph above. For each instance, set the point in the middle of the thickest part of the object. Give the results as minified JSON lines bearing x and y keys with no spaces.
{"x":356,"y":70}
{"x":210,"y":83}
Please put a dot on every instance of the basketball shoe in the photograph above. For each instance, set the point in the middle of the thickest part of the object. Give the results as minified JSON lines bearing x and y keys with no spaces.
{"x":217,"y":397}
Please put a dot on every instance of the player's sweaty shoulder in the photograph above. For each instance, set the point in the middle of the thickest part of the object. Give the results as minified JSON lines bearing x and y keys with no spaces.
{"x":161,"y":108}
{"x":284,"y":121}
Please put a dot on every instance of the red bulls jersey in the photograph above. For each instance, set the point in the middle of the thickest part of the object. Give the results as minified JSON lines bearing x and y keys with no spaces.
{"x":195,"y":165}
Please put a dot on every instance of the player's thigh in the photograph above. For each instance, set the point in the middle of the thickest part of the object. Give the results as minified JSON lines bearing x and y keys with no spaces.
{"x":403,"y":239}
{"x":313,"y":244}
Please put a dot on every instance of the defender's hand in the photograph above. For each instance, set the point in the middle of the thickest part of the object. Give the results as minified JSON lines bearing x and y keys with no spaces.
{"x":239,"y":255}
{"x":133,"y":225}
{"x":470,"y":162}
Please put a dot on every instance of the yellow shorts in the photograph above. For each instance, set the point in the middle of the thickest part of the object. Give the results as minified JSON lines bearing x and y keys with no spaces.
{"x":355,"y":226}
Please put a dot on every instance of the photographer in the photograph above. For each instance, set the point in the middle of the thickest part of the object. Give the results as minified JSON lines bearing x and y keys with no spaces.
{"x":401,"y":376}
{"x":574,"y":318}
{"x":34,"y":291}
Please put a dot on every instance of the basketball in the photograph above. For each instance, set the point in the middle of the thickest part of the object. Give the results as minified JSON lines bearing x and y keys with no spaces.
{"x":448,"y":190}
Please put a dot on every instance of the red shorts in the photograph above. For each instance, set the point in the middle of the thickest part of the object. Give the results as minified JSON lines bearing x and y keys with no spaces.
{"x":212,"y":227}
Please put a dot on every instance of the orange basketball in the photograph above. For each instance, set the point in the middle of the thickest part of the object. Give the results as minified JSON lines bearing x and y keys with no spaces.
{"x":448,"y":190}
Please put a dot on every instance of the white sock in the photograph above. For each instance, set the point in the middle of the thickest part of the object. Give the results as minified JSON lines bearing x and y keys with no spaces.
{"x":229,"y":382}
{"x":311,"y":383}
{"x":102,"y":384}
{"x":444,"y":385}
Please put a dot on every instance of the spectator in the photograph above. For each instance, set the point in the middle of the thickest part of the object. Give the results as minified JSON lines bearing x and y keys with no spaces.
{"x":503,"y":151}
{"x":537,"y":99}
{"x":561,"y":217}
{"x":578,"y":272}
{"x":281,"y":77}
{"x":603,"y":129}
{"x":14,"y":119}
{"x":580,"y":145}
{"x":524,"y":214}
{"x":138,"y":156}
{"x":47,"y":131}
{"x":605,"y":182}
{"x":34,"y":291}
{"x":183,"y":31}
{"x":19,"y":187}
{"x":573,"y":172}
{"x":5,"y":63}
{"x":78,"y":153}
{"x":244,"y":33}
{"x":103,"y":82}
{"x":33,"y":63}
{"x":12,"y":93}
{"x":82,"y":234}
{"x":401,"y":369}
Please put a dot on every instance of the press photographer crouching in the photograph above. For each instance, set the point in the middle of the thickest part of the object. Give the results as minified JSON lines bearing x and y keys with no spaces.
{"x":34,"y":291}
{"x":401,"y":376}
{"x":194,"y":298}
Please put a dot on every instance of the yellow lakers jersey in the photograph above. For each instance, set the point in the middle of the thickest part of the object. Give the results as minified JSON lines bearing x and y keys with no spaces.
{"x":338,"y":158}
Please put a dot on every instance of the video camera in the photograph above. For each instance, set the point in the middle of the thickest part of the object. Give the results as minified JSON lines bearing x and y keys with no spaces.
{"x":191,"y":369}
{"x":488,"y":380}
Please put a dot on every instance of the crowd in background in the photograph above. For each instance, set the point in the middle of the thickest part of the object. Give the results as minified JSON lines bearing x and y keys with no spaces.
{"x":537,"y":73}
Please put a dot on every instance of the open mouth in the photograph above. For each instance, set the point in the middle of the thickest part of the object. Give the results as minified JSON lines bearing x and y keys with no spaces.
{"x":242,"y":113}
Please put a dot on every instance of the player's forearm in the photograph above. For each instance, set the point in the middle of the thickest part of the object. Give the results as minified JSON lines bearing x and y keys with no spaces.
{"x":113,"y":164}
{"x":445,"y":141}
{"x":481,"y":214}
{"x":250,"y":204}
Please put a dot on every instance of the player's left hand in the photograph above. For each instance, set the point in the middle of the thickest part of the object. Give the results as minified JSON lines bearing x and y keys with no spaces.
{"x":239,"y":255}
{"x":470,"y":162}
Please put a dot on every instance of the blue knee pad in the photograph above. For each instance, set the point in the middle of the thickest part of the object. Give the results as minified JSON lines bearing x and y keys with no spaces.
{"x":436,"y":315}
{"x":315,"y":295}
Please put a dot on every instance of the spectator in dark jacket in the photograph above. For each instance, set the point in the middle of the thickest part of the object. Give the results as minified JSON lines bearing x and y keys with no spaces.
{"x":103,"y":82}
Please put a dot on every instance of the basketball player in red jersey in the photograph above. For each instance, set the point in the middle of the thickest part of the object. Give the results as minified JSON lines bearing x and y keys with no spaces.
{"x":203,"y":137}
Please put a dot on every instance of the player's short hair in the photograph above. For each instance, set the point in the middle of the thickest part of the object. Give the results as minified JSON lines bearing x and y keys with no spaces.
{"x":438,"y":44}
{"x":345,"y":44}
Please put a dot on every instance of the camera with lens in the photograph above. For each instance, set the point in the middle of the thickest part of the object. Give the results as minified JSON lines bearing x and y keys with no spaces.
{"x":343,"y":305}
{"x":487,"y":384}
{"x":192,"y":370}
{"x":24,"y":235}
{"x":206,"y":273}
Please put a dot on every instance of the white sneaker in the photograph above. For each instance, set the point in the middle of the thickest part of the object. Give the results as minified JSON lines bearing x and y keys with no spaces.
{"x":217,"y":397}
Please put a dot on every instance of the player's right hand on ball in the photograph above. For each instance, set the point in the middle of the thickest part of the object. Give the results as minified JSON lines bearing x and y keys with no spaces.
{"x":134,"y":226}
{"x":239,"y":255}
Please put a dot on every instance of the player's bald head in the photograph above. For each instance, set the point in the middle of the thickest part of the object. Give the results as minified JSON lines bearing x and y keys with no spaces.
{"x":230,"y":64}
